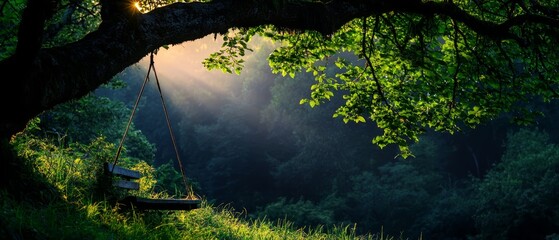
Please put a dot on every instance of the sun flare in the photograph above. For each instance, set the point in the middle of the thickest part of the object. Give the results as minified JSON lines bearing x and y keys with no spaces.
{"x":137,"y":5}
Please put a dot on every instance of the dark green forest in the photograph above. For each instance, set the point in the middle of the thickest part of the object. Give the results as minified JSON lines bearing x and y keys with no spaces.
{"x":258,"y":150}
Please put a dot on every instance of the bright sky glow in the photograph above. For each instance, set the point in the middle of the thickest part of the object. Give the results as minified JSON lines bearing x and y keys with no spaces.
{"x":182,"y":65}
{"x":185,"y":81}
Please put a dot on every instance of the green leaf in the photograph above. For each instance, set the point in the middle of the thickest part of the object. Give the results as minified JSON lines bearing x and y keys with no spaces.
{"x":313,"y":103}
{"x":360,"y":119}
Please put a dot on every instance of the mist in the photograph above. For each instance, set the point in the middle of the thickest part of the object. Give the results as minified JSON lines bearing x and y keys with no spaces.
{"x":184,"y":78}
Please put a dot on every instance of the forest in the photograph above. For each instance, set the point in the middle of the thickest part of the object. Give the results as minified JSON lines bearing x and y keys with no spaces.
{"x":400,"y":120}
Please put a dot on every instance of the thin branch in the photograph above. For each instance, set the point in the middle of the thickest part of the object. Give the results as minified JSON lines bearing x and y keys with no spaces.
{"x":545,"y":9}
{"x":540,"y":59}
{"x":394,"y":37}
{"x":511,"y":67}
{"x":457,"y":70}
{"x":479,"y":58}
{"x":529,"y":18}
{"x":370,"y":63}
{"x":2,"y":7}
{"x":486,"y":28}
{"x":90,"y":12}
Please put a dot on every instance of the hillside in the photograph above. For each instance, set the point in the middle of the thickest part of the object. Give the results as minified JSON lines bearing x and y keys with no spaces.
{"x":55,"y":195}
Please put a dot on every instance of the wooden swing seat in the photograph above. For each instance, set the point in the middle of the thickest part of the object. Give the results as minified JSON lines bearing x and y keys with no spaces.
{"x":128,"y":177}
{"x":127,"y":181}
{"x":160,"y":204}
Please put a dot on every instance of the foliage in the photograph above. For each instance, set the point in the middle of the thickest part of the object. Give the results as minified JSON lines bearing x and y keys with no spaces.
{"x":518,"y":196}
{"x":83,"y":149}
{"x":99,"y":220}
{"x":55,"y":220}
{"x":406,"y":73}
{"x":409,"y":72}
{"x":233,"y":162}
{"x":75,"y":214}
{"x":450,"y":215}
{"x":10,"y":13}
{"x":72,"y":21}
{"x":301,"y":213}
{"x":410,"y":69}
{"x":261,"y":146}
{"x":395,"y":199}
{"x":168,"y":179}
{"x":229,"y":58}
{"x":400,"y":195}
{"x":73,"y":169}
{"x":308,"y":138}
{"x":92,"y":116}
{"x":147,"y":181}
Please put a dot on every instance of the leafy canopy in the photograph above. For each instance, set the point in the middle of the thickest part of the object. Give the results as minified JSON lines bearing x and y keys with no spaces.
{"x":442,"y":65}
{"x":412,"y":72}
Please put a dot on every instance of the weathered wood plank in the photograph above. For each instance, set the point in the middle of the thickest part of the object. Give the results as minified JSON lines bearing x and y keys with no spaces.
{"x":123,"y":172}
{"x":161,"y":204}
{"x":146,"y":203}
{"x":127,"y":184}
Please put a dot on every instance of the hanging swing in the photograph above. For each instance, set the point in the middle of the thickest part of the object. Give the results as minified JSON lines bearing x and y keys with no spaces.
{"x":128,"y":177}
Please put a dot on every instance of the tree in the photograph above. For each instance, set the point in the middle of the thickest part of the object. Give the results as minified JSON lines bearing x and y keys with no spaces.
{"x":516,"y":198}
{"x":422,"y":64}
{"x":92,"y":117}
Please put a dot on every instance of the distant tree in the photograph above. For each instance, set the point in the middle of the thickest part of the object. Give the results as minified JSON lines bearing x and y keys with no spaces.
{"x":90,"y":117}
{"x":396,"y":197}
{"x":169,"y":180}
{"x":517,"y":198}
{"x":302,"y":213}
{"x":308,"y":138}
{"x":423,"y":64}
{"x":236,"y":157}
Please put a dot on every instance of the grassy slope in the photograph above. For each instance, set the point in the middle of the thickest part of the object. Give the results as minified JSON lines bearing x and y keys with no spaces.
{"x":60,"y":219}
{"x":49,"y":195}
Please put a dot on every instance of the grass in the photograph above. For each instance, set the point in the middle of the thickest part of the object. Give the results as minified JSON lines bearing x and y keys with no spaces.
{"x":68,"y":208}
{"x":100,"y":220}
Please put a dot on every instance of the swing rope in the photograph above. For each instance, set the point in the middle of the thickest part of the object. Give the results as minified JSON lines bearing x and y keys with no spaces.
{"x":152,"y":66}
{"x":120,"y":145}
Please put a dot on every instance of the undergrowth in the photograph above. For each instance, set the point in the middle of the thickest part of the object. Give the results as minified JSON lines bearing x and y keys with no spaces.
{"x":75,"y":208}
{"x":100,"y":220}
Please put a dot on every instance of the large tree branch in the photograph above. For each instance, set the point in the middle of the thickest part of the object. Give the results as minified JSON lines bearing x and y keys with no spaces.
{"x":31,"y":28}
{"x":448,"y":8}
{"x":63,"y":73}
